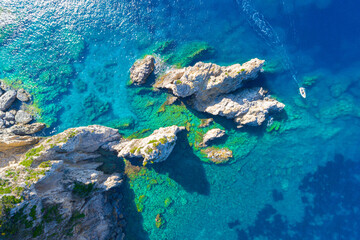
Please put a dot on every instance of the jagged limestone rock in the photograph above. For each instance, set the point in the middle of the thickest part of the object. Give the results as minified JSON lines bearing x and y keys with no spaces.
{"x":207,"y":80}
{"x":65,"y":201}
{"x":154,"y":148}
{"x":142,"y":69}
{"x":212,"y":134}
{"x":8,"y":142}
{"x":248,"y":107}
{"x":76,"y":144}
{"x":23,"y":129}
{"x":217,"y":90}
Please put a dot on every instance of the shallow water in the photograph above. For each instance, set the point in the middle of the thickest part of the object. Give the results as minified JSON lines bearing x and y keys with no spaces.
{"x":294,"y":183}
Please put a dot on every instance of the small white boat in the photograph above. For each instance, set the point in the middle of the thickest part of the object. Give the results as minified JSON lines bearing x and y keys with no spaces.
{"x":302,"y":92}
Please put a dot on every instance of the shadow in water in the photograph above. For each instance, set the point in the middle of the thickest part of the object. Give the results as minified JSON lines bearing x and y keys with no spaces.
{"x":134,"y":220}
{"x":185,"y":167}
{"x":331,"y":204}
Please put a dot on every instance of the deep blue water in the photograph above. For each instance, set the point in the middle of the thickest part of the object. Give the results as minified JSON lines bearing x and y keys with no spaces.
{"x":299,"y":183}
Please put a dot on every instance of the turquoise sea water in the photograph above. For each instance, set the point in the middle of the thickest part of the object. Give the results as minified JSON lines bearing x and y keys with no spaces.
{"x":300,"y":182}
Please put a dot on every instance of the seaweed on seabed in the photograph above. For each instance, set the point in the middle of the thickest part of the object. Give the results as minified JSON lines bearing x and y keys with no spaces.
{"x":190,"y":53}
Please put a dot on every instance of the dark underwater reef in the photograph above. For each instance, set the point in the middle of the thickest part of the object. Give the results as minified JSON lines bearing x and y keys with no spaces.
{"x":332,"y":205}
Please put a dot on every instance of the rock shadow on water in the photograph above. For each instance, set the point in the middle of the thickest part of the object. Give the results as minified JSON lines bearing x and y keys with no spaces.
{"x":332,"y":205}
{"x":134,"y":221}
{"x":184,"y":167}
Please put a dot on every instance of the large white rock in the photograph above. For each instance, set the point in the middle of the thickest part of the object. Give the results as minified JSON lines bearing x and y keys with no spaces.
{"x":217,"y":90}
{"x":142,"y":69}
{"x":154,"y":148}
{"x":7,"y":99}
{"x":212,"y":134}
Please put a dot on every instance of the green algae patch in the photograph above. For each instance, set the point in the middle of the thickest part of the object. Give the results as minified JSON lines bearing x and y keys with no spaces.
{"x":274,"y":126}
{"x":182,"y":55}
{"x":217,"y":155}
{"x":164,"y":47}
{"x":168,"y":201}
{"x":155,"y":198}
{"x":309,"y":81}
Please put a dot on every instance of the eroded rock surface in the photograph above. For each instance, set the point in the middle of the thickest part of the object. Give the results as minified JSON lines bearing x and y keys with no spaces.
{"x":65,"y":201}
{"x":154,"y":148}
{"x":76,"y":144}
{"x":142,"y":69}
{"x":7,"y":99}
{"x":215,"y":90}
{"x":207,"y":80}
{"x":248,"y":107}
{"x":212,"y":134}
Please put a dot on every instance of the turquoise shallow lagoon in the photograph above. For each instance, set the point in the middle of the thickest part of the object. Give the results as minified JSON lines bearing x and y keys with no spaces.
{"x":299,"y":181}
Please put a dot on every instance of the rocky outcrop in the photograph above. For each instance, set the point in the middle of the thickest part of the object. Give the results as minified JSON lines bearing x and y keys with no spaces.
{"x":212,"y":134}
{"x":64,"y":201}
{"x":217,"y":155}
{"x":23,"y":129}
{"x":66,"y":197}
{"x":63,"y":194}
{"x":23,"y":117}
{"x":12,"y":107}
{"x":214,"y":89}
{"x":75,"y":144}
{"x":142,"y":69}
{"x":7,"y":99}
{"x":22,"y":95}
{"x":11,"y":141}
{"x":208,"y":80}
{"x":248,"y":107}
{"x":154,"y":148}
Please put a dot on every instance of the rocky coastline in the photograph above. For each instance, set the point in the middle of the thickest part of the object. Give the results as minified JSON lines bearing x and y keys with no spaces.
{"x":51,"y":187}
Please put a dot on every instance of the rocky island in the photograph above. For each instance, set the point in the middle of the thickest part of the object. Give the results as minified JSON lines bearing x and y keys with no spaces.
{"x":213,"y":89}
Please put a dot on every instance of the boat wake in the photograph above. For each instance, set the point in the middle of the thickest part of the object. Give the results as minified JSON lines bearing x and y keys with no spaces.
{"x":263,"y":28}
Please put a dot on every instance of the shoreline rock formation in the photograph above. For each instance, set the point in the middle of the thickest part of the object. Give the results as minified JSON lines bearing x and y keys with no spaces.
{"x":9,"y":113}
{"x":56,"y":190}
{"x":154,"y":148}
{"x":142,"y":69}
{"x":217,"y":90}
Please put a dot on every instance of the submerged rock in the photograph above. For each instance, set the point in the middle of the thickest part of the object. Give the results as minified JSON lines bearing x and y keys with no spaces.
{"x":154,"y":148}
{"x":142,"y":69}
{"x":205,"y":122}
{"x":212,"y":89}
{"x":217,"y":155}
{"x":212,"y":134}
